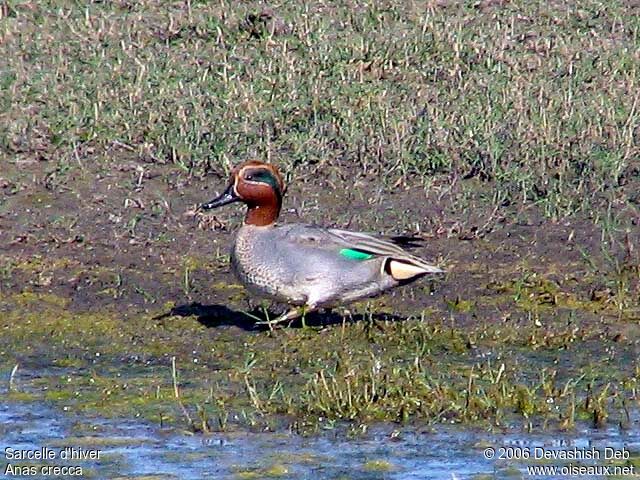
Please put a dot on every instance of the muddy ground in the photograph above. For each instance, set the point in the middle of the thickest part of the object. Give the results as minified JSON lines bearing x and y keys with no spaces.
{"x":112,"y":271}
{"x":128,"y":238}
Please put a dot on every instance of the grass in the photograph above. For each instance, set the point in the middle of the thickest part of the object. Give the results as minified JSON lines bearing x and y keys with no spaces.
{"x":552,"y":373}
{"x":537,"y":101}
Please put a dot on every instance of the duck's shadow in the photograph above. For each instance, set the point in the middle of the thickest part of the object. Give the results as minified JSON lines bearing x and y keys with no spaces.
{"x":218,"y":315}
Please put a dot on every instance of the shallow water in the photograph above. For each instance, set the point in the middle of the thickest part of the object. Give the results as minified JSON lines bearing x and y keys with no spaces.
{"x":129,"y":449}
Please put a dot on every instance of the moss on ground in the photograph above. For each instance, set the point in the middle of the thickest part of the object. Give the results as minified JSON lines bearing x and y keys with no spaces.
{"x":548,"y":372}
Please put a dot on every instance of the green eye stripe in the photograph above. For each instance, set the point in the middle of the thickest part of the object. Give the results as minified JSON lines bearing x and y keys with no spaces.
{"x":263,"y":176}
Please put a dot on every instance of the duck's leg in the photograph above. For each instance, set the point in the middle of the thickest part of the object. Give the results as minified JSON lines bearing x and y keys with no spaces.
{"x":289,"y":316}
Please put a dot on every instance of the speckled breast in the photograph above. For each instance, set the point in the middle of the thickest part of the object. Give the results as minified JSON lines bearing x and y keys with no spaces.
{"x":252,"y":265}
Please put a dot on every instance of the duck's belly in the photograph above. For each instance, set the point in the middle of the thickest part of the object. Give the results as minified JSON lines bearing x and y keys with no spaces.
{"x":264,"y":282}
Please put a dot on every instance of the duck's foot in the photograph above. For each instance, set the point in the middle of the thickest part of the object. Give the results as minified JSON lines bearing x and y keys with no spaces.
{"x":288,"y":317}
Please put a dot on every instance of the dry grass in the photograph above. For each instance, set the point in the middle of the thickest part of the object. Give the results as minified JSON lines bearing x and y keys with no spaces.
{"x":537,"y":101}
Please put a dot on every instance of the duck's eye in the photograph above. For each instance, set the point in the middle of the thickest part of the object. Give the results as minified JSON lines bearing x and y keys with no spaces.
{"x":249,"y":176}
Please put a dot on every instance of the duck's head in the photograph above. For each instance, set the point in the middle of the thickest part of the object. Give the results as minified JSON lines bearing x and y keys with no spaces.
{"x":260,"y":186}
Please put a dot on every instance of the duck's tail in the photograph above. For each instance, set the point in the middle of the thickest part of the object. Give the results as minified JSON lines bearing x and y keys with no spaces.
{"x":408,"y":268}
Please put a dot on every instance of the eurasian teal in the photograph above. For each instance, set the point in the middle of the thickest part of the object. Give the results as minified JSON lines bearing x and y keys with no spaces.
{"x":307,"y":266}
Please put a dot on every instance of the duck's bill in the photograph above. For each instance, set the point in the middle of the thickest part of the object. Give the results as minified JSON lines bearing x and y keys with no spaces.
{"x":228,"y":196}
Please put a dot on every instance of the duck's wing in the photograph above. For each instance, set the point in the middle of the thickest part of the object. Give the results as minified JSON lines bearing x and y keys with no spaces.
{"x":405,"y":241}
{"x":402,"y":264}
{"x":357,"y":246}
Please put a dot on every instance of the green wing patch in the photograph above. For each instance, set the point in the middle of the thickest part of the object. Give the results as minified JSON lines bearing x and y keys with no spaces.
{"x":353,"y":254}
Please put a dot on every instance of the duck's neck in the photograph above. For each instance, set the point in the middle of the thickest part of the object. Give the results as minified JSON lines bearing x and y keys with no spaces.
{"x":262,"y":215}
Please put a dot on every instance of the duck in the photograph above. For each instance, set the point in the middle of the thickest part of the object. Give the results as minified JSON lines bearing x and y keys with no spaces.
{"x":306,"y":266}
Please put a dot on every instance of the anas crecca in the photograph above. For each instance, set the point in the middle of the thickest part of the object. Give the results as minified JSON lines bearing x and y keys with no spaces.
{"x":307,"y":266}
